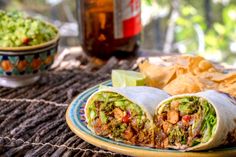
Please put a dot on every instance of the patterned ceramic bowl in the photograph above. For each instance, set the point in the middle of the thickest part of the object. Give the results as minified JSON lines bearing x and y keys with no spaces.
{"x":23,"y":65}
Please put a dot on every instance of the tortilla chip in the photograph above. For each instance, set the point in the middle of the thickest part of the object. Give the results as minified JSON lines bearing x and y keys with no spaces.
{"x":206,"y":83}
{"x":227,"y":78}
{"x":186,"y":83}
{"x":188,"y":74}
{"x":157,"y":76}
{"x":205,"y":65}
{"x":230,"y":89}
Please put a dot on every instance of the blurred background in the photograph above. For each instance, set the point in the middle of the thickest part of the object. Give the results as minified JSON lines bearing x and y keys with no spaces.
{"x":203,"y":27}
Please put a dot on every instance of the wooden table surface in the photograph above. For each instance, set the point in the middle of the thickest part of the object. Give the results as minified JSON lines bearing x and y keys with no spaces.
{"x":32,"y":118}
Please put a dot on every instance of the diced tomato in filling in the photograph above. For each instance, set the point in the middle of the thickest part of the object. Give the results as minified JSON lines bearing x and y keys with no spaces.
{"x":126,"y":118}
{"x":186,"y":119}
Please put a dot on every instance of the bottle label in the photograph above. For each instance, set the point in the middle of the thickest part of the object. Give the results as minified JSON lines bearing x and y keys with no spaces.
{"x":127,"y":18}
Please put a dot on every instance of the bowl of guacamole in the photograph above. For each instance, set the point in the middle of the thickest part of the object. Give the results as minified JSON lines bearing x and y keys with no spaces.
{"x":28,"y":47}
{"x":17,"y":30}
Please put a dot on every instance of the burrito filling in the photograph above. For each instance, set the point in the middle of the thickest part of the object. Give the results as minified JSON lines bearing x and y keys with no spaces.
{"x":112,"y":115}
{"x":184,"y":122}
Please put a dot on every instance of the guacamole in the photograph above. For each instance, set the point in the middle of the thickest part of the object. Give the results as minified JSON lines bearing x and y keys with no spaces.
{"x":17,"y":30}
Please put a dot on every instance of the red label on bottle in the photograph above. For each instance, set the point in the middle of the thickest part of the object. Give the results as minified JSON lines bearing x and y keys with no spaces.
{"x":127,"y":18}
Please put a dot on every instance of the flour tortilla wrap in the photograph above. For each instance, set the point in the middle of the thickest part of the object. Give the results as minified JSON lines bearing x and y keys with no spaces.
{"x":124,"y":114}
{"x":205,"y":127}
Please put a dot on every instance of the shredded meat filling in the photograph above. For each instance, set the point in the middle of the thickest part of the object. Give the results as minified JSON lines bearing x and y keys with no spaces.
{"x":122,"y":126}
{"x":184,"y":126}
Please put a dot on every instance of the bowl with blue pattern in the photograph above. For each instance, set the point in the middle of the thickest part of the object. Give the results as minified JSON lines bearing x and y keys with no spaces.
{"x":21,"y":66}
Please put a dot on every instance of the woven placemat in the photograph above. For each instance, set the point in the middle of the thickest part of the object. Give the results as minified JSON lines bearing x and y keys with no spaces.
{"x":32,"y":118}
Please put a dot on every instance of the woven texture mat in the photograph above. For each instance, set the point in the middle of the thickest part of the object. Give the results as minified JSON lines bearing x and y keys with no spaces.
{"x":32,"y":119}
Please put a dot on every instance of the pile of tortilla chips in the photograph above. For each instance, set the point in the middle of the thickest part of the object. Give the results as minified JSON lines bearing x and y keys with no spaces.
{"x":188,"y":74}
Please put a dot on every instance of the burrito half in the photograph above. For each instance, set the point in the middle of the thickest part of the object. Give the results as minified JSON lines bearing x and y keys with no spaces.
{"x":124,"y":114}
{"x":195,"y":121}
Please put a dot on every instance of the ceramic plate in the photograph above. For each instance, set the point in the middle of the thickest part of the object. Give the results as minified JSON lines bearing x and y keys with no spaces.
{"x":75,"y":118}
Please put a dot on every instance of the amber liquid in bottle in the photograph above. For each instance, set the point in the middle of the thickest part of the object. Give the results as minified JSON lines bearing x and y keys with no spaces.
{"x":96,"y":31}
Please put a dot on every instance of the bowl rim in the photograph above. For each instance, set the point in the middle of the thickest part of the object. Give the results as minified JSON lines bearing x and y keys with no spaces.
{"x":28,"y":52}
{"x":39,"y":46}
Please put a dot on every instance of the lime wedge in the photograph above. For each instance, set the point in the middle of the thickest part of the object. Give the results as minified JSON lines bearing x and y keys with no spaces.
{"x":124,"y":78}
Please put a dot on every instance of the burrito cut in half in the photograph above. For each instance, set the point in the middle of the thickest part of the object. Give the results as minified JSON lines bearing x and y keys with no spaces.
{"x":195,"y":121}
{"x":124,"y":114}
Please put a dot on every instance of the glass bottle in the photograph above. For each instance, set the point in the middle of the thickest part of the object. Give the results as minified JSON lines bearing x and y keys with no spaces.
{"x":109,"y":27}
